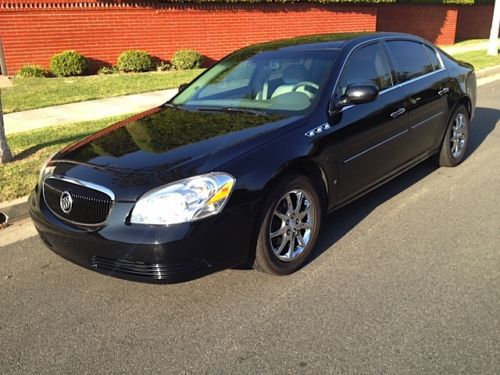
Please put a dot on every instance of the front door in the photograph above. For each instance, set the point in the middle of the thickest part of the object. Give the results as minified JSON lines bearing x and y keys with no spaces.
{"x":368,"y":140}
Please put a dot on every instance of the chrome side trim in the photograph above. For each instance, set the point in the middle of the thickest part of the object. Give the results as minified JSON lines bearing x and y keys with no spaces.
{"x":375,"y":146}
{"x":89,"y":185}
{"x":426,"y":120}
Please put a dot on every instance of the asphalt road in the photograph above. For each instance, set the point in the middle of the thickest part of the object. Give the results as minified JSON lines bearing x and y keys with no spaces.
{"x":405,"y":281}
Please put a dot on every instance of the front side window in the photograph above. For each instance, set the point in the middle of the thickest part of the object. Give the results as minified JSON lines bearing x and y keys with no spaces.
{"x":366,"y":65}
{"x":273,"y":81}
{"x":410,"y":58}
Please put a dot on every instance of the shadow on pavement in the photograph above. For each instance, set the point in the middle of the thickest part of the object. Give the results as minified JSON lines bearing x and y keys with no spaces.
{"x":484,"y":122}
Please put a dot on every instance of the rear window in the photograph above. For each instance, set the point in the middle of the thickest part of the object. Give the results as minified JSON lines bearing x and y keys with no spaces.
{"x":410,"y":58}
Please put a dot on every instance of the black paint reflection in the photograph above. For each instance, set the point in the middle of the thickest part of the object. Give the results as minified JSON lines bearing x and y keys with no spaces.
{"x":163,"y":131}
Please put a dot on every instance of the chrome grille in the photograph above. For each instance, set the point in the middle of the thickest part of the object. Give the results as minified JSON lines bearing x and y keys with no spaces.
{"x":89,"y":206}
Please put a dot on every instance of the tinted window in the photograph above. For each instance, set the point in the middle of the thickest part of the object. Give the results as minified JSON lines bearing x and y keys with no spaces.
{"x":410,"y":58}
{"x":433,"y":57}
{"x":366,"y":65}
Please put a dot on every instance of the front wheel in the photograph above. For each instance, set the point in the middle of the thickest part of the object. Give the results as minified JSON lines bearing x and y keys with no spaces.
{"x":456,"y":139}
{"x":290,"y":226}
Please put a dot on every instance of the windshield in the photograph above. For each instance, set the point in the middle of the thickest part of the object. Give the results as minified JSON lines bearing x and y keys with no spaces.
{"x":273,"y":81}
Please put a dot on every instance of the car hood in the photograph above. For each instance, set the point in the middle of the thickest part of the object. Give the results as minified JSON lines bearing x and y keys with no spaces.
{"x":164,"y":145}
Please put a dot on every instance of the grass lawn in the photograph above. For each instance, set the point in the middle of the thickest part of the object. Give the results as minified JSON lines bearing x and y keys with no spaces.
{"x":31,"y":93}
{"x":479,"y":59}
{"x":32,"y":148}
{"x":469,"y":42}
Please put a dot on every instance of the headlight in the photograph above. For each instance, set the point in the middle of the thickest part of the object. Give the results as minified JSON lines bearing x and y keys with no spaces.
{"x":183,"y":201}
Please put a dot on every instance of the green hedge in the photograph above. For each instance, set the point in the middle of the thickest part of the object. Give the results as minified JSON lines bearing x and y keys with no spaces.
{"x":446,"y":2}
{"x":135,"y":61}
{"x":187,"y":59}
{"x":68,"y":63}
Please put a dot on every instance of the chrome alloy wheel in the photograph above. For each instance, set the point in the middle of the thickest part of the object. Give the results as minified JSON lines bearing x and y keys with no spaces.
{"x":458,"y":135}
{"x":291,"y":225}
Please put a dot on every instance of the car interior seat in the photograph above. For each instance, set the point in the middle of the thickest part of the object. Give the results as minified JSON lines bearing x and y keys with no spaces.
{"x":292,"y":75}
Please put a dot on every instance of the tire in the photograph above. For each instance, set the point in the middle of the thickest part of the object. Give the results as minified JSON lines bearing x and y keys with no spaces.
{"x":285,"y":242}
{"x":456,"y":139}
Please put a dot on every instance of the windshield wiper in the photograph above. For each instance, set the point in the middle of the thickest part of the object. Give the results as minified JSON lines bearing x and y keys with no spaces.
{"x":255,"y":112}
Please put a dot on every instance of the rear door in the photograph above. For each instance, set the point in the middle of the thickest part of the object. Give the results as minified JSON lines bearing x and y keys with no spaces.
{"x":424,"y":81}
{"x":369,"y":140}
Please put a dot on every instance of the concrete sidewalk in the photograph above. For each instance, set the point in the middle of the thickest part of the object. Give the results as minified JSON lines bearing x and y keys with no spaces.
{"x":84,"y":111}
{"x":454,"y":49}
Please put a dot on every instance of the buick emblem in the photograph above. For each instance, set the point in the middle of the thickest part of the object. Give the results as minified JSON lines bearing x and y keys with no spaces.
{"x":66,"y":202}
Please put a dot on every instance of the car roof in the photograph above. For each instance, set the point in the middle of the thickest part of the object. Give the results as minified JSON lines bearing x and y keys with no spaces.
{"x":323,"y":41}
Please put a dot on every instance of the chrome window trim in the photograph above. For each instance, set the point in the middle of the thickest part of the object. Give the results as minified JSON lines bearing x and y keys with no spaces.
{"x":375,"y":146}
{"x":412,"y":80}
{"x":426,"y":120}
{"x":436,"y":52}
{"x":398,"y":85}
{"x":86,"y":184}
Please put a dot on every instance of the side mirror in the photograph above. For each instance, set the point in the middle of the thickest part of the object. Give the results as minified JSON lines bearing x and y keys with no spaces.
{"x":357,"y":94}
{"x":182,"y":86}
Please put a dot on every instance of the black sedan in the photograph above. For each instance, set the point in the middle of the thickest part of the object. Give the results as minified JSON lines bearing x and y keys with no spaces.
{"x":243,"y":163}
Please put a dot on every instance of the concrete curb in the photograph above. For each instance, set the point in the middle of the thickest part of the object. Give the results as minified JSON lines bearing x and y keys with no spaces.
{"x":18,"y":209}
{"x":488,"y":72}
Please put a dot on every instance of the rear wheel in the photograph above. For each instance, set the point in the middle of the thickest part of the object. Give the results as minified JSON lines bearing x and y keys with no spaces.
{"x":290,"y":227}
{"x":456,"y":139}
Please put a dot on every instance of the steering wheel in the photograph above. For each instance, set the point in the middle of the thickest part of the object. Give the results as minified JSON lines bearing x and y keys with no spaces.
{"x":305,"y":84}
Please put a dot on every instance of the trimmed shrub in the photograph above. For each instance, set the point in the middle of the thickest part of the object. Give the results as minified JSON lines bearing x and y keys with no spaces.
{"x":68,"y":63}
{"x":135,"y":61}
{"x":31,"y":71}
{"x":187,"y":59}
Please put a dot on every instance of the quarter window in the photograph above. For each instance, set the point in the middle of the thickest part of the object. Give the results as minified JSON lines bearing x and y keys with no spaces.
{"x":433,"y":57}
{"x":410,"y":58}
{"x":366,"y":65}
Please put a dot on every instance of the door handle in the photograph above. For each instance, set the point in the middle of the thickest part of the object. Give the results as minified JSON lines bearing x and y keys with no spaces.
{"x":441,"y":92}
{"x":398,"y":113}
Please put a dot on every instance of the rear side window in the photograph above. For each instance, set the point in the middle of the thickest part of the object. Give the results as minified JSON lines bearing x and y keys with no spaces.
{"x":410,"y":58}
{"x":433,"y":57}
{"x":366,"y":65}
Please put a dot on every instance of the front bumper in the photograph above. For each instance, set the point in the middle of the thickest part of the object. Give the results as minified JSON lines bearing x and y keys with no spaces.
{"x":148,"y":252}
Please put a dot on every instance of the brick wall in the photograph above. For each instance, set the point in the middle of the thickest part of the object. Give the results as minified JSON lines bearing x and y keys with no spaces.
{"x":33,"y":30}
{"x":102,"y":31}
{"x":436,"y":23}
{"x":474,"y":22}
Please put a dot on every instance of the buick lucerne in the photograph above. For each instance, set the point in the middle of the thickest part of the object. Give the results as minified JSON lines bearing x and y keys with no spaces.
{"x":243,"y":163}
